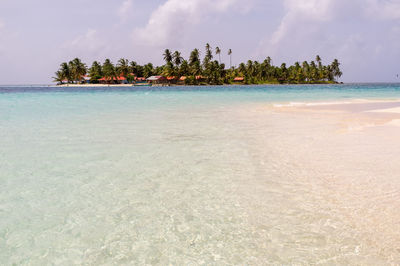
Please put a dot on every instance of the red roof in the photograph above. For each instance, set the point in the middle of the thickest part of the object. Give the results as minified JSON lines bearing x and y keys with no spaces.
{"x":171,"y":78}
{"x":140,"y":78}
{"x":120,"y":78}
{"x":200,"y":77}
{"x":238,"y":79}
{"x":183,"y":78}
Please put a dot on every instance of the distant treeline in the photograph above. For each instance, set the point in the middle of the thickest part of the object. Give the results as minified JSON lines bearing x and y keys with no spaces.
{"x":211,"y":71}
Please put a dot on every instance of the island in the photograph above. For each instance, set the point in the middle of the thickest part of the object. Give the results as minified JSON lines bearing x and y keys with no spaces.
{"x":194,"y":71}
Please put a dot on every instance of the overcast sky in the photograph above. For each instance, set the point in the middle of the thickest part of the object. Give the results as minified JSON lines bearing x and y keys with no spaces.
{"x":36,"y":36}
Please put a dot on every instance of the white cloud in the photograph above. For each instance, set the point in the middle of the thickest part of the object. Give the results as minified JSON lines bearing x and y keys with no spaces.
{"x":170,"y":21}
{"x":87,"y":45}
{"x":125,"y":10}
{"x":383,"y":9}
{"x":352,"y":31}
{"x":301,"y":33}
{"x":309,"y":18}
{"x":307,"y":11}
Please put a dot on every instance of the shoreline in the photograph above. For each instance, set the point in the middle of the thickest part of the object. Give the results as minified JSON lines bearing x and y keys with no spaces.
{"x":366,"y":106}
{"x":191,"y":85}
{"x":355,"y":115}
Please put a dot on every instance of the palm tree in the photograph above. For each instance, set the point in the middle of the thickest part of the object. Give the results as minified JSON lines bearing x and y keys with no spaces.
{"x":59,"y":78}
{"x":167,"y":56}
{"x":168,"y":69}
{"x":249,"y":68}
{"x":208,"y":47}
{"x":284,"y":70}
{"x":196,"y":69}
{"x":148,"y":70}
{"x":318,"y":59}
{"x":139,"y":70}
{"x":95,"y":72}
{"x":194,"y":57}
{"x":313,"y":71}
{"x":268,"y":60}
{"x":320,"y":67}
{"x":306,"y":70}
{"x":242,"y":69}
{"x":184,"y":69}
{"x":123,"y":67}
{"x":133,"y":68}
{"x":177,"y":58}
{"x":212,"y":70}
{"x":230,"y":57}
{"x":335,"y":69}
{"x":208,"y":57}
{"x":109,"y":70}
{"x":218,"y":52}
{"x":64,"y":73}
{"x":77,"y":69}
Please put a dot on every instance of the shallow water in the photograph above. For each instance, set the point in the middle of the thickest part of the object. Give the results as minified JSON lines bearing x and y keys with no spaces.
{"x":213,"y":175}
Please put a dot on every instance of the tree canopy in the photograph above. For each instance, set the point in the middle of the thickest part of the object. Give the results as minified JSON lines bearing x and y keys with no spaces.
{"x":207,"y":71}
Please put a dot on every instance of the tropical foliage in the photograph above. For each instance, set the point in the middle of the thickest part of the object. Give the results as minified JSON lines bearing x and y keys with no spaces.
{"x":194,"y":70}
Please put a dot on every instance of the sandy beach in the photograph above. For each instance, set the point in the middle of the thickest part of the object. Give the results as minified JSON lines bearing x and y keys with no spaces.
{"x":356,"y":158}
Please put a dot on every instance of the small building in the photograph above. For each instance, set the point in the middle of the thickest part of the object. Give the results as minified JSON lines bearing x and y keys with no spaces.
{"x":140,"y":79}
{"x":157,"y":80}
{"x":238,"y":79}
{"x":114,"y":80}
{"x":86,"y":79}
{"x":181,"y":80}
{"x":122,"y":80}
{"x":172,"y":79}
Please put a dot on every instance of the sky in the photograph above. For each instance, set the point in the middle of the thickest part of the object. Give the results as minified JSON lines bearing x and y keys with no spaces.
{"x":37,"y":36}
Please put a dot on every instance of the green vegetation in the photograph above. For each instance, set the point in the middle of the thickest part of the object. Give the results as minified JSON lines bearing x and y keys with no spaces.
{"x":195,"y":71}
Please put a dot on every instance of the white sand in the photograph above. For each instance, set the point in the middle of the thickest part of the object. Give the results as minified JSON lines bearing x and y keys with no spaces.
{"x":387,"y":110}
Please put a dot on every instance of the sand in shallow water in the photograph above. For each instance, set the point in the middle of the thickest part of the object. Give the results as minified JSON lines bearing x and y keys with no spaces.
{"x":350,"y":153}
{"x":215,"y":184}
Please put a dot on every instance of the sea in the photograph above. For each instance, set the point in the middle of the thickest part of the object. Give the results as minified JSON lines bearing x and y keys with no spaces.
{"x":224,"y":175}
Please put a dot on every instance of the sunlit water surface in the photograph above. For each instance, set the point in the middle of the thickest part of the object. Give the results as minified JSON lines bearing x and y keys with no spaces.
{"x":187,"y":176}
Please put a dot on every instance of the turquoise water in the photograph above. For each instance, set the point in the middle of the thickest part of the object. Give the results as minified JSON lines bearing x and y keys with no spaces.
{"x":185,"y":175}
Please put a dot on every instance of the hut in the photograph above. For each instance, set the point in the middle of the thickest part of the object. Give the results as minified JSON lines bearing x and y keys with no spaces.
{"x":157,"y":80}
{"x":140,"y":79}
{"x":86,"y":79}
{"x":200,"y":78}
{"x":238,"y":79}
{"x":113,"y":80}
{"x":172,"y":79}
{"x":182,"y":80}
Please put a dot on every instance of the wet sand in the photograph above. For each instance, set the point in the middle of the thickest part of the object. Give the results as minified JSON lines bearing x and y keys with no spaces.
{"x":354,"y":148}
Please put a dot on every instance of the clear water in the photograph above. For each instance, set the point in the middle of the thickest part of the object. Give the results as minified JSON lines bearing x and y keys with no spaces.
{"x":194,"y":175}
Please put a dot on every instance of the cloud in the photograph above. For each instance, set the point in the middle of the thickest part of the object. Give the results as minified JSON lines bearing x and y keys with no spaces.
{"x":125,"y":9}
{"x":383,"y":9}
{"x":312,"y":19}
{"x":308,"y":11}
{"x":87,"y":45}
{"x":170,"y":21}
{"x":352,"y":31}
